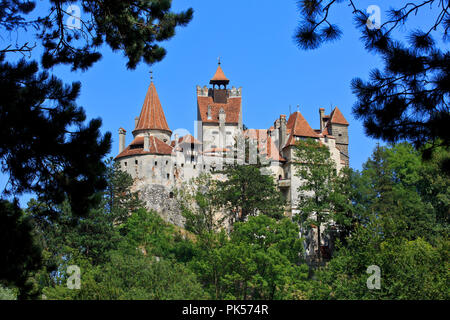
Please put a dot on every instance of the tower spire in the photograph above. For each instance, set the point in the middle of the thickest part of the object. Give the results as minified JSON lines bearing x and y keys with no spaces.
{"x":152,"y":115}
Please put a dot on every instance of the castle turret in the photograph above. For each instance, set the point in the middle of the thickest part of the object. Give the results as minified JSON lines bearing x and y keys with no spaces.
{"x":152,"y":119}
{"x":338,"y":127}
{"x":220,"y":94}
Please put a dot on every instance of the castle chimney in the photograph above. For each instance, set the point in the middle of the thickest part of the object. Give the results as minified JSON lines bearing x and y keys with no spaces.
{"x":122,"y":133}
{"x":321,"y":113}
{"x":282,"y":130}
{"x":146,"y":142}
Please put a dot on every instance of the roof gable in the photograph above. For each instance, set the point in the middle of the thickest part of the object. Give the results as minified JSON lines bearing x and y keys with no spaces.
{"x":300,"y":127}
{"x":338,"y":118}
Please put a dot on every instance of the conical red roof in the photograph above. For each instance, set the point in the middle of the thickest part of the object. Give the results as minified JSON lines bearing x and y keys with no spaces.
{"x":152,"y":114}
{"x":219,"y":76}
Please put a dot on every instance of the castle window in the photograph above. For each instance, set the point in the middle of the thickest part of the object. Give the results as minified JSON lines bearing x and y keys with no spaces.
{"x":182,"y":165}
{"x":192,"y":159}
{"x":125,"y":163}
{"x":340,"y":134}
{"x":167,"y":162}
{"x":168,"y":176}
{"x":175,"y":165}
{"x":156,"y":163}
{"x":135,"y":162}
{"x":204,"y":166}
{"x":192,"y":146}
{"x":194,"y":166}
{"x":171,"y":195}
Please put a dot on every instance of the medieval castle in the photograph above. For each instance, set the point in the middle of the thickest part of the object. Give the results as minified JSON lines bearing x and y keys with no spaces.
{"x":159,"y":162}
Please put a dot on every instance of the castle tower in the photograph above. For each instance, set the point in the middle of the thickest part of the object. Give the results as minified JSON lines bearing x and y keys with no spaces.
{"x":152,"y":119}
{"x":338,"y":127}
{"x":151,"y":135}
{"x":219,"y":112}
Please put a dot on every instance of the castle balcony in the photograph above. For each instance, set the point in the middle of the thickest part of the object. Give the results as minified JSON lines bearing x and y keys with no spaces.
{"x":284,"y":183}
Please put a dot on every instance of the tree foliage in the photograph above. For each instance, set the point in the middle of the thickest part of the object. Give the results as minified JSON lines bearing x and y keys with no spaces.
{"x":320,"y":192}
{"x":398,"y":227}
{"x":20,"y":252}
{"x":260,"y":260}
{"x":408,"y":99}
{"x":247,"y":192}
{"x":198,"y":201}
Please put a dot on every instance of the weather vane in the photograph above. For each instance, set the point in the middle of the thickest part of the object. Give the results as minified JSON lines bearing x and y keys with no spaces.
{"x":219,"y":60}
{"x":151,"y":75}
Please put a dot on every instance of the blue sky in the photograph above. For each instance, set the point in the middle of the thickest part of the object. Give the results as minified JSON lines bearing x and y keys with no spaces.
{"x":255,"y":42}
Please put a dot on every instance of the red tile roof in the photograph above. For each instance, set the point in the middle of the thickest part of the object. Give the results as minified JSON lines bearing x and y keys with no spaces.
{"x":152,"y":115}
{"x":232,"y":109}
{"x":219,"y":76}
{"x":156,"y":146}
{"x":338,"y":118}
{"x":299,"y":126}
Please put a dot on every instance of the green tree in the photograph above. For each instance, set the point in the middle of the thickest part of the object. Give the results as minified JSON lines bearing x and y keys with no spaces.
{"x":20,"y":252}
{"x":198,"y":200}
{"x":320,"y":186}
{"x":248,"y":192}
{"x":119,"y":200}
{"x":397,"y":227}
{"x":130,"y":276}
{"x":260,"y":260}
{"x":46,"y":146}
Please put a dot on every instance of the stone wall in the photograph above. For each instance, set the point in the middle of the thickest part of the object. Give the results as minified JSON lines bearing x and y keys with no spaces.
{"x":157,"y":197}
{"x":340,"y":132}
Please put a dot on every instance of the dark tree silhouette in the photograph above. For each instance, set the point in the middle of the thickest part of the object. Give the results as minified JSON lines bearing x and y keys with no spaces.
{"x":45,"y":145}
{"x":409,"y":99}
